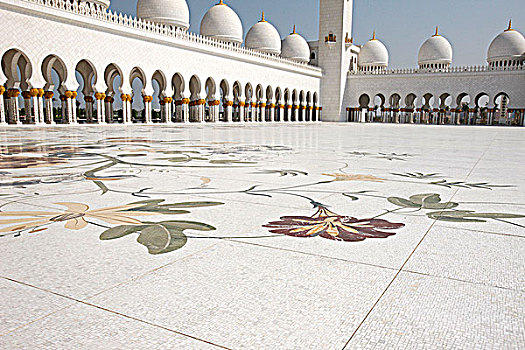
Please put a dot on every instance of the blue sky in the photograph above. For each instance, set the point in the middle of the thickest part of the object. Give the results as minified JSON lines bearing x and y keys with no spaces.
{"x":402,"y":25}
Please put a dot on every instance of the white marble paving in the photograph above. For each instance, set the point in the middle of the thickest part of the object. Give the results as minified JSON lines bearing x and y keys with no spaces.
{"x":448,"y":279}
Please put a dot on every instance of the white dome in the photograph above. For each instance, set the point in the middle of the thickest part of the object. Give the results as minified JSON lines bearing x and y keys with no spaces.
{"x":373,"y":54}
{"x":435,"y":50}
{"x":103,"y":3}
{"x":170,"y":12}
{"x":222,"y":23}
{"x":509,"y":45}
{"x":294,"y":47}
{"x":263,"y":37}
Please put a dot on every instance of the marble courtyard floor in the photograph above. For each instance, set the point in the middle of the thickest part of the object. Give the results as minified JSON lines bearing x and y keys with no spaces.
{"x":325,"y":236}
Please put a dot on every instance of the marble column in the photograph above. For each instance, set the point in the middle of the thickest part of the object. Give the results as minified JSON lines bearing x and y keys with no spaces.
{"x":108,"y":113}
{"x":167,"y":110}
{"x":185,"y":110}
{"x":296,"y":113}
{"x":253,"y":112}
{"x":101,"y":113}
{"x":242,"y":112}
{"x":281,"y":113}
{"x":126,"y":108}
{"x":67,"y":107}
{"x":12,"y":106}
{"x":34,"y":104}
{"x":3,"y":119}
{"x":303,"y":113}
{"x":178,"y":111}
{"x":27,"y":106}
{"x":201,"y":110}
{"x":228,"y":111}
{"x":264,"y":112}
{"x":147,"y":108}
{"x":89,"y":108}
{"x":40,"y":103}
{"x":74,"y":106}
{"x":272,"y":112}
{"x":50,"y":117}
{"x":169,"y":120}
{"x":214,"y":110}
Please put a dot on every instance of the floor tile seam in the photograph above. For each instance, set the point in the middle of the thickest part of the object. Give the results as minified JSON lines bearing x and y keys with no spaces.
{"x":481,"y":231}
{"x":120,"y":314}
{"x":35,"y":319}
{"x":463,"y":281}
{"x":489,"y":146}
{"x":114,"y":286}
{"x":312,"y":254}
{"x":158,"y":268}
{"x":494,"y":203}
{"x":391,"y":282}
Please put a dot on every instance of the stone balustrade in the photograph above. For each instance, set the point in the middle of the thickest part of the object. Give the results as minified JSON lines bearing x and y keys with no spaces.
{"x":464,"y":69}
{"x":97,"y":12}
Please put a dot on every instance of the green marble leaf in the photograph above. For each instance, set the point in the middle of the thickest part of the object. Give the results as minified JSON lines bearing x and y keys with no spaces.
{"x":156,"y":238}
{"x":421,"y":199}
{"x":120,"y":231}
{"x":187,"y":225}
{"x":191,"y":204}
{"x":470,"y":216}
{"x":401,"y":202}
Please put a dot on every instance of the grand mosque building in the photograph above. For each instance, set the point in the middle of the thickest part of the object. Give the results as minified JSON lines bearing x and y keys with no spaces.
{"x":76,"y":61}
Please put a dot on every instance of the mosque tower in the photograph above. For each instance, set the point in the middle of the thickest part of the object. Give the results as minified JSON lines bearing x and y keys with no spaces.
{"x":335,"y":33}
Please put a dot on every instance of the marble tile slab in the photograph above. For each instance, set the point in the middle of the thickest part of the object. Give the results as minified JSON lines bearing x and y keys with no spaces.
{"x":86,"y":327}
{"x":255,"y":298}
{"x":424,"y":312}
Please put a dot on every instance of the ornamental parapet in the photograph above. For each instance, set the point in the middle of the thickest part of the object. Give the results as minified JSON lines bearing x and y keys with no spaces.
{"x":97,"y":12}
{"x":463,"y":69}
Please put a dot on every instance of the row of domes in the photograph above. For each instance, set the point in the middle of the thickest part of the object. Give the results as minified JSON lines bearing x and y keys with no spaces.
{"x":222,"y":23}
{"x":436,"y":51}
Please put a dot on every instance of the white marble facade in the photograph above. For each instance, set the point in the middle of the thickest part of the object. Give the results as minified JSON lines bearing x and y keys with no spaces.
{"x":215,"y":77}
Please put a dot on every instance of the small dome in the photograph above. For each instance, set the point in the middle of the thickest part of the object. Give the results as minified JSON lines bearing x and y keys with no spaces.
{"x":294,"y":47}
{"x":170,"y":12}
{"x":373,"y":54}
{"x":509,"y":45}
{"x":435,"y":50}
{"x":263,"y":37}
{"x":222,"y":23}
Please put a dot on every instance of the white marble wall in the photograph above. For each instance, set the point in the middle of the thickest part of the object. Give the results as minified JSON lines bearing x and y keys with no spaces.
{"x":39,"y":31}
